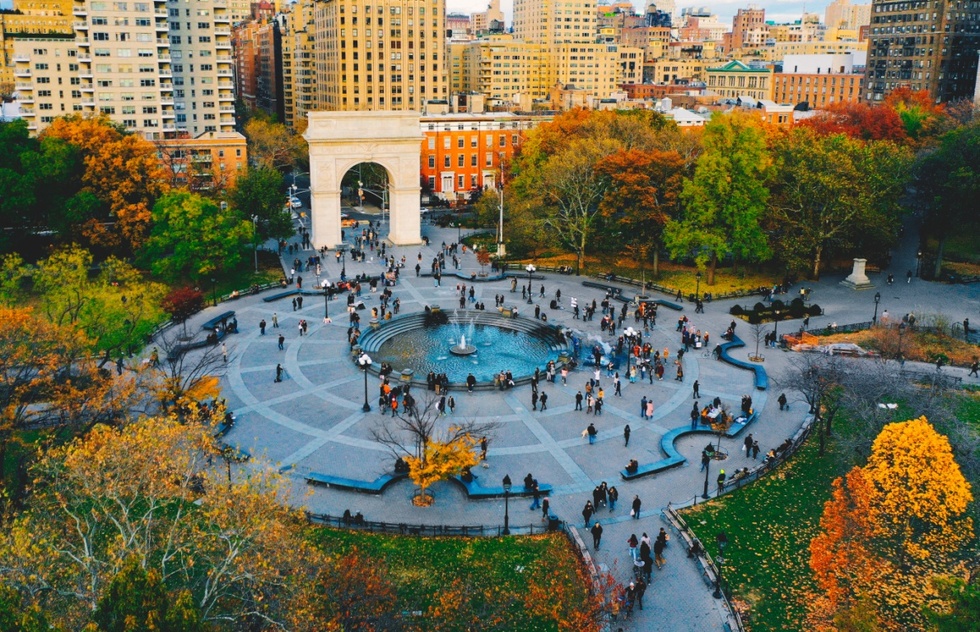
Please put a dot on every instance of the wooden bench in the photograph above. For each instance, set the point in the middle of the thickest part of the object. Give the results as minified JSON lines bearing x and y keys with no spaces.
{"x":761,"y":378}
{"x":369,"y":487}
{"x":674,"y":458}
{"x":475,"y":491}
{"x":221,"y":318}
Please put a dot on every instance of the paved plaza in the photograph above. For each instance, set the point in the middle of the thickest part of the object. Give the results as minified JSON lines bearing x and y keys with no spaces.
{"x":313,"y":420}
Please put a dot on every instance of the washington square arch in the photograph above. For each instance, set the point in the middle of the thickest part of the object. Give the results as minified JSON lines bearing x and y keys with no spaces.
{"x":341,"y":140}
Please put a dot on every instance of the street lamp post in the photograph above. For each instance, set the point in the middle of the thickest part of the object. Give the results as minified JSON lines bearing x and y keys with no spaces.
{"x":530,"y":281}
{"x":365,"y":361}
{"x":628,"y":333}
{"x":326,"y":301}
{"x":874,"y":319}
{"x":707,"y":472}
{"x":214,"y":291}
{"x":722,"y":543}
{"x":697,"y":291}
{"x":501,"y":251}
{"x":775,"y":326}
{"x":255,"y":243}
{"x":918,"y":264}
{"x":507,"y":486}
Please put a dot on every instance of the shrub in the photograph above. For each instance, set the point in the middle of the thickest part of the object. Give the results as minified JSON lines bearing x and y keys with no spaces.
{"x":759,"y":307}
{"x":736,"y":310}
{"x":814,"y":310}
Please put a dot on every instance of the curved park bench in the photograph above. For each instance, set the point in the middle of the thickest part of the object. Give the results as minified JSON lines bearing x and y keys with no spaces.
{"x":373,"y":487}
{"x":674,"y":458}
{"x":761,"y":378}
{"x":617,"y":294}
{"x":219,"y":319}
{"x":475,"y":491}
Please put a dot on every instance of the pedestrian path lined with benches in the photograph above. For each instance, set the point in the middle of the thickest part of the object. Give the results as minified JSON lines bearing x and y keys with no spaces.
{"x":761,"y":378}
{"x":674,"y":458}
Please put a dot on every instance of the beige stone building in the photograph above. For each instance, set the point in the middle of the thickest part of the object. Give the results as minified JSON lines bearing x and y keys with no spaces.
{"x":47,"y":81}
{"x":36,"y":17}
{"x":388,"y":55}
{"x":735,"y":79}
{"x":298,"y":68}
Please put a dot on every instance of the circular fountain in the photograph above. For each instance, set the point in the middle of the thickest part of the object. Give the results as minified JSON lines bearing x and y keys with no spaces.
{"x":462,"y":349}
{"x":463,"y":343}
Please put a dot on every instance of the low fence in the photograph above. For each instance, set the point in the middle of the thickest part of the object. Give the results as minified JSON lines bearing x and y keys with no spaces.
{"x":427,"y":530}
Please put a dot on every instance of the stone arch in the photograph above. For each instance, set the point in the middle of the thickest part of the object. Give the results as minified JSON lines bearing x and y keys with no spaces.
{"x":341,"y":140}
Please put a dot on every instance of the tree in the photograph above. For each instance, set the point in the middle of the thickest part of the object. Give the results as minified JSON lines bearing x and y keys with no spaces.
{"x":192,"y":237}
{"x":272,"y":146}
{"x":258,"y":194}
{"x":725,"y":200}
{"x":571,"y":189}
{"x":353,"y":592}
{"x":859,"y":120}
{"x":183,"y":379}
{"x":961,"y":610}
{"x":136,"y":599}
{"x":182,"y":303}
{"x":483,"y":258}
{"x":145,"y":495}
{"x":949,"y":179}
{"x":892,"y":528}
{"x":121,"y":172}
{"x":828,"y":192}
{"x":116,"y":308}
{"x":442,"y":460}
{"x":643,"y":195}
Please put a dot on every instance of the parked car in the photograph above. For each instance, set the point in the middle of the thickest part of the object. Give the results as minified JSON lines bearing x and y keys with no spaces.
{"x":295,"y":202}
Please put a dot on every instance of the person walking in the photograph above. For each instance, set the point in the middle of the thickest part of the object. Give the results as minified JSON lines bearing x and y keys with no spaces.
{"x":974,"y":368}
{"x":578,"y":400}
{"x":596,"y":535}
{"x":695,"y":417}
{"x":641,"y":587}
{"x":643,"y":407}
{"x":650,"y":408}
{"x":697,"y":389}
{"x":535,"y":496}
{"x":755,"y":449}
{"x":591,"y":430}
{"x":637,"y":503}
{"x":587,"y":512}
{"x":632,"y":544}
{"x":545,"y":508}
{"x":619,"y":386}
{"x":721,"y":481}
{"x":275,"y":320}
{"x":544,"y":401}
{"x":613,"y":496}
{"x":279,"y":372}
{"x":534,"y":400}
{"x":658,"y":551}
{"x":747,"y":445}
{"x":705,"y":459}
{"x":626,"y":435}
{"x":262,"y":327}
{"x":782,"y":402}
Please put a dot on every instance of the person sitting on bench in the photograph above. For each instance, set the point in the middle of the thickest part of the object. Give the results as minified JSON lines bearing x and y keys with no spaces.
{"x":632,"y":467}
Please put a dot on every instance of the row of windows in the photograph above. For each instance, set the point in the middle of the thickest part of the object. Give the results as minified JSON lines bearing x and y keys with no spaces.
{"x":139,"y":7}
{"x":460,"y":160}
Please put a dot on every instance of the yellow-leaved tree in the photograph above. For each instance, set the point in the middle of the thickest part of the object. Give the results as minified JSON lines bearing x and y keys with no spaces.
{"x":891,"y":528}
{"x":440,"y":461}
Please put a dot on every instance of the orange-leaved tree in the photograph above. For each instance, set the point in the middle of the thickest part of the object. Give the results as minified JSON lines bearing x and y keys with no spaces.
{"x":441,"y":460}
{"x":890,"y":530}
{"x":122,"y":172}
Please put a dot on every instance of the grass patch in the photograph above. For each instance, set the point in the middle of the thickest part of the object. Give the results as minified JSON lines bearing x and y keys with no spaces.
{"x":421,"y":568}
{"x":769,"y":526}
{"x":671,"y":274}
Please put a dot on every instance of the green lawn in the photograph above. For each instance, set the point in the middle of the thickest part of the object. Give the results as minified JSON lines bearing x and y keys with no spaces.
{"x":422,"y":567}
{"x":769,"y":526}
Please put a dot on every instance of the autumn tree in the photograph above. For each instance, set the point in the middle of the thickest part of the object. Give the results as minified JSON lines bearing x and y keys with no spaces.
{"x":920,"y":114}
{"x":184,"y":378}
{"x":137,"y":599}
{"x":891,"y":529}
{"x":829,"y":192}
{"x":858,"y":120}
{"x":145,"y":494}
{"x":182,"y":303}
{"x":47,"y":379}
{"x":354,"y":592}
{"x":643,"y":195}
{"x":122,"y":173}
{"x":192,"y":237}
{"x":441,"y":460}
{"x":724,"y":202}
{"x":272,"y":146}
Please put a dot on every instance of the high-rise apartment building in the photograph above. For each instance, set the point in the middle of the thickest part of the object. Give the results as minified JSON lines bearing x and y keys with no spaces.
{"x":124,"y":64}
{"x":380,"y":54}
{"x":47,"y":81}
{"x":298,"y":63}
{"x":555,"y":21}
{"x":927,"y":45}
{"x":841,"y":14}
{"x":485,"y":21}
{"x":203,"y":69}
{"x":30,"y":18}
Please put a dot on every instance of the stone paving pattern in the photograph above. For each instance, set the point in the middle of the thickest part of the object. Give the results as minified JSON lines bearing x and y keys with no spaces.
{"x":313,"y":421}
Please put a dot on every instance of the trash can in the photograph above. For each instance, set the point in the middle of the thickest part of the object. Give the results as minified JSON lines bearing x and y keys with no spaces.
{"x":554,"y":524}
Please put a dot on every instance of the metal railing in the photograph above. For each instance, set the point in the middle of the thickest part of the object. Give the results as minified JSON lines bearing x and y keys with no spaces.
{"x":427,"y":530}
